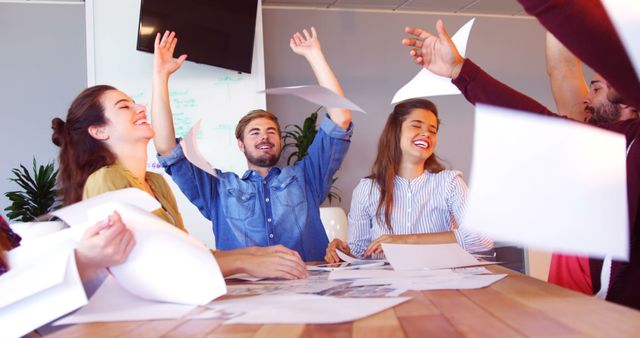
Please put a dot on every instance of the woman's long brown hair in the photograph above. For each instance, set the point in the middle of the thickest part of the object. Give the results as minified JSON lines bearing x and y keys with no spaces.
{"x":387,"y":162}
{"x":80,"y":153}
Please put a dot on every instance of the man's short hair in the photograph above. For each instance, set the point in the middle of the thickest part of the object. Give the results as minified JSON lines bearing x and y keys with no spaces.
{"x":252,"y":115}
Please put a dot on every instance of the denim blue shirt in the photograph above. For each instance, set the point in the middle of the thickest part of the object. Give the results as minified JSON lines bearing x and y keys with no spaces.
{"x":280,"y":208}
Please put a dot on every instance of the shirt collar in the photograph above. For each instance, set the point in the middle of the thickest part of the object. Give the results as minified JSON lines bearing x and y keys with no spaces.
{"x":252,"y":174}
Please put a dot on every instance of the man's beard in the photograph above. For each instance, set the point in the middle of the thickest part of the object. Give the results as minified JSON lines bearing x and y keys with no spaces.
{"x":605,"y":113}
{"x":265,"y":161}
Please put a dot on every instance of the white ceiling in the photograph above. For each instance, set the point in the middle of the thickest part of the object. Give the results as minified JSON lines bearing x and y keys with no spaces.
{"x":489,"y":7}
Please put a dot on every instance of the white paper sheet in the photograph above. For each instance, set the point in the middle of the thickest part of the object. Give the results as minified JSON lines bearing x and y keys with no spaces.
{"x":75,"y":215}
{"x":316,"y":94}
{"x":425,"y":83}
{"x":444,"y":281}
{"x":625,"y":15}
{"x":112,"y":303}
{"x":45,"y":288}
{"x":428,"y":256}
{"x":350,"y":259}
{"x":192,"y":152}
{"x":166,"y":264}
{"x":299,"y":309}
{"x":548,"y":183}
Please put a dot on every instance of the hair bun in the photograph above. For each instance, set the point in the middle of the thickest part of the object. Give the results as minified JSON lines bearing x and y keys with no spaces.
{"x":59,"y":131}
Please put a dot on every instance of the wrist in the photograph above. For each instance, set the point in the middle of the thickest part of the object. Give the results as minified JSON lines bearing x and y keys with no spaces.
{"x":457,"y":67}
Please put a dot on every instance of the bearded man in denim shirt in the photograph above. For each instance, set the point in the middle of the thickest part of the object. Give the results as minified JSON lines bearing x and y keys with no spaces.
{"x":268,"y":205}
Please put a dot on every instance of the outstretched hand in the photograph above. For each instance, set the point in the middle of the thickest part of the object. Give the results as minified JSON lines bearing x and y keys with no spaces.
{"x":306,"y":43}
{"x":163,"y":61}
{"x":436,"y":53}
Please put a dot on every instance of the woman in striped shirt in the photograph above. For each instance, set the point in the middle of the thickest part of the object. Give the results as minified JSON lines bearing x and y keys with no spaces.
{"x":409,"y":196}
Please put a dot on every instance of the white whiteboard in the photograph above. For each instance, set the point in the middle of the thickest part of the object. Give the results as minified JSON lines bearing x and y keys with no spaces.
{"x":219,"y":96}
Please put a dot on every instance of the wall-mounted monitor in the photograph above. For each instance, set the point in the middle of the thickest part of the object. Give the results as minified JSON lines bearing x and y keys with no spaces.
{"x":213,"y":32}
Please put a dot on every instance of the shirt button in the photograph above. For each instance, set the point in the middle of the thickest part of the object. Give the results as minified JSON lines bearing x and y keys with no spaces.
{"x":270,"y":235}
{"x":264,"y":182}
{"x":267,"y":199}
{"x":269,"y":220}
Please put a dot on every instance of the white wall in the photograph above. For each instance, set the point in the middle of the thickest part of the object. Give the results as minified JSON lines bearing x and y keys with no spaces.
{"x":365,"y":51}
{"x":42,"y":68}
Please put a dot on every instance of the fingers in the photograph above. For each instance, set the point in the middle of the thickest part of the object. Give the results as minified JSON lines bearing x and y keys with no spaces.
{"x":163,"y":41}
{"x":442,"y":32}
{"x":95,"y":229}
{"x":314,"y":34}
{"x":307,"y":36}
{"x":289,"y":267}
{"x":331,"y":256}
{"x":156,"y":44}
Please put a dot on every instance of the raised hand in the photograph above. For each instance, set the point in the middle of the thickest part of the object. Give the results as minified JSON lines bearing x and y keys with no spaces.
{"x":436,"y":53}
{"x":105,"y":244}
{"x":305,"y":44}
{"x":331,"y":256}
{"x":163,"y":61}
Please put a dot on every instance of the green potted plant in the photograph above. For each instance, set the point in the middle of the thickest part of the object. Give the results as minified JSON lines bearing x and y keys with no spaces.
{"x":300,"y":138}
{"x":38,"y":194}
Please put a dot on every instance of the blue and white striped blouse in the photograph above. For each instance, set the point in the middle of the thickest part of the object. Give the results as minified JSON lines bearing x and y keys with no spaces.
{"x":425,"y":204}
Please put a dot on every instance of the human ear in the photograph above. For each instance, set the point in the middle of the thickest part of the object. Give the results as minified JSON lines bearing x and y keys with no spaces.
{"x":240,"y":145}
{"x":98,"y":133}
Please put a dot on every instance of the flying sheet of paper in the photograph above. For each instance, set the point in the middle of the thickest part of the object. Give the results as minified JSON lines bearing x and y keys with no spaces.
{"x":625,"y":16}
{"x":428,"y":256}
{"x":112,"y":303}
{"x":45,"y":288}
{"x":75,"y":215}
{"x":316,"y":94}
{"x":192,"y":152}
{"x":549,"y":183}
{"x":299,"y":309}
{"x":425,"y":83}
{"x":166,"y":264}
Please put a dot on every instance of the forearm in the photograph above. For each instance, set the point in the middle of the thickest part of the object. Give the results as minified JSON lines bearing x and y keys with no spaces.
{"x":585,"y":28}
{"x":566,"y":78}
{"x":326,"y":78}
{"x":479,"y":87}
{"x":431,"y":238}
{"x":229,"y":264}
{"x":161,"y":116}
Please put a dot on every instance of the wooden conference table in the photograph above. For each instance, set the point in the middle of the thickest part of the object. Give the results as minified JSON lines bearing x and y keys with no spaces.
{"x":516,"y":306}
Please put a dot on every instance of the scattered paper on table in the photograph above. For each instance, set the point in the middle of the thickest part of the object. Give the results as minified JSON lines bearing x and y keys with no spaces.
{"x":624,"y":15}
{"x":351,"y":259}
{"x":548,"y":183}
{"x":35,"y":293}
{"x":425,"y":83}
{"x":316,"y":94}
{"x":166,"y":264}
{"x":428,"y":256}
{"x":112,"y":303}
{"x":298,"y":309}
{"x":192,"y":152}
{"x":444,"y":280}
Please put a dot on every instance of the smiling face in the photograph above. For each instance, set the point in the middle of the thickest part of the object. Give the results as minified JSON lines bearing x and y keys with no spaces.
{"x":597,"y":104}
{"x":261,"y":143}
{"x":419,"y":135}
{"x":126,"y":121}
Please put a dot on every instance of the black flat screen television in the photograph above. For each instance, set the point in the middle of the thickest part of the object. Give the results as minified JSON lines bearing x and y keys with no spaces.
{"x":213,"y":32}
